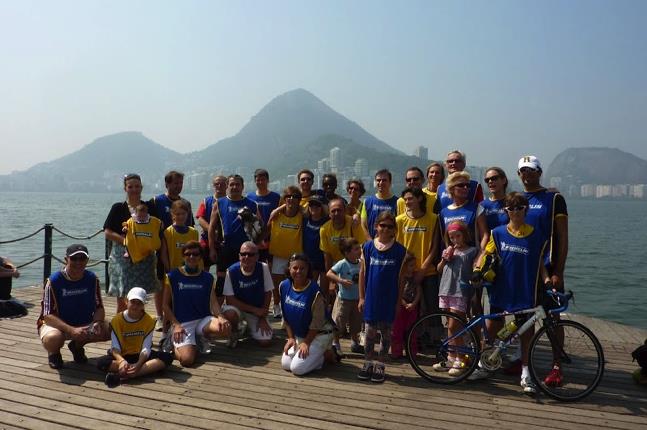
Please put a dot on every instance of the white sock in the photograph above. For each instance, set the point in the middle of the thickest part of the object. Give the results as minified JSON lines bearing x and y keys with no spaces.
{"x":525,"y":373}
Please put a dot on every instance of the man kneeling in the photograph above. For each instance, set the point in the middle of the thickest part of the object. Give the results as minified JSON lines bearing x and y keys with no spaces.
{"x":132,"y":339}
{"x":248,"y":291}
{"x":72,"y":309}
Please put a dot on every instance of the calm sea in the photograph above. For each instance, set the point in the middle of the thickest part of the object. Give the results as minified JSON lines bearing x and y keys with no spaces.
{"x":606,"y":268}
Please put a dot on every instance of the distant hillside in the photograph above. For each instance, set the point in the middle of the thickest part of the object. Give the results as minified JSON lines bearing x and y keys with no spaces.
{"x":598,"y":166}
{"x":98,"y":164}
{"x":287,"y":123}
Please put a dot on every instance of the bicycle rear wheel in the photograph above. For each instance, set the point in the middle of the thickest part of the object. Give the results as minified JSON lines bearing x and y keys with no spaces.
{"x":434,"y":358}
{"x":581,"y":360}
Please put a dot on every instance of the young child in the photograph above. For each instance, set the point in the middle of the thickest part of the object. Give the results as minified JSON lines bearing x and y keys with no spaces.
{"x":346,"y":274}
{"x":408,"y":309}
{"x":131,"y":355}
{"x":142,"y":234}
{"x":176,"y":235}
{"x":456,"y":267}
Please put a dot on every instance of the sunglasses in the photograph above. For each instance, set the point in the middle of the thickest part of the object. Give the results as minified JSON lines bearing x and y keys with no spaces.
{"x":415,"y":178}
{"x":527,"y":170}
{"x":78,"y":258}
{"x":492,"y":178}
{"x":247,"y":254}
{"x":192,"y":254}
{"x":461,"y":185}
{"x":515,"y":208}
{"x":386,"y":226}
{"x":293,"y":196}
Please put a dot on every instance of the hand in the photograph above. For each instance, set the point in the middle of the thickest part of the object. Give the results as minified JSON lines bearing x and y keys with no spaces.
{"x":345,"y":283}
{"x":289,"y":344}
{"x":223,"y":327}
{"x":477,"y":277}
{"x":123,"y":368}
{"x":178,"y":333}
{"x":304,"y":350}
{"x":557,"y":281}
{"x":360,"y":305}
{"x":15,"y":273}
{"x":133,"y":369}
{"x":408,"y":306}
{"x":264,"y":327}
{"x":79,"y":334}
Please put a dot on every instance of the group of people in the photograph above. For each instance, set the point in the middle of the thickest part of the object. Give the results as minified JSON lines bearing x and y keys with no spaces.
{"x":329,"y":266}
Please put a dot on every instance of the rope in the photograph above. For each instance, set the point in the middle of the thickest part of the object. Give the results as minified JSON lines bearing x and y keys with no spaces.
{"x":32,"y":261}
{"x":77,"y":237}
{"x":23,"y":238}
{"x":96,"y":263}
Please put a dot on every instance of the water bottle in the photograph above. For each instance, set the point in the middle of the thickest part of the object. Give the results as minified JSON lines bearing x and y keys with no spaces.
{"x":507,"y":330}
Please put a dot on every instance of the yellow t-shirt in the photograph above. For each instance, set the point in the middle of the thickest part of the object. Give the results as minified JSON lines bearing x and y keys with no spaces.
{"x":430,"y":202}
{"x":142,"y":239}
{"x":131,"y":335}
{"x":174,"y":242}
{"x":286,"y":235}
{"x":417,"y":235}
{"x":330,"y":237}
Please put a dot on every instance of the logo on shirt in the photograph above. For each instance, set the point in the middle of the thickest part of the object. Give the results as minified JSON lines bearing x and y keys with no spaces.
{"x":290,"y":226}
{"x":182,"y":286}
{"x":453,"y":218}
{"x":290,"y":301}
{"x":75,"y":292}
{"x":248,"y":284}
{"x":514,"y":248}
{"x":380,"y":208}
{"x":415,"y":229}
{"x":385,"y":262}
{"x":536,"y":206}
{"x":143,"y":234}
{"x":134,"y":333}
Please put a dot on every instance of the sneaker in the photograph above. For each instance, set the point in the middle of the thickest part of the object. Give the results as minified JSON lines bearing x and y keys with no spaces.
{"x":277,"y":312}
{"x":166,"y":343}
{"x":458,"y":367}
{"x":554,"y":378}
{"x":337,"y":346}
{"x":55,"y":361}
{"x":479,"y":373}
{"x":528,"y":385}
{"x":356,"y":348}
{"x":366,"y":372}
{"x":443,"y":366}
{"x":78,"y":352}
{"x":379,"y":374}
{"x":112,"y":380}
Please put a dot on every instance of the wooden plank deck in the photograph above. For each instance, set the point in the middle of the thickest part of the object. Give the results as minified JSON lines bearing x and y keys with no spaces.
{"x":246,"y":388}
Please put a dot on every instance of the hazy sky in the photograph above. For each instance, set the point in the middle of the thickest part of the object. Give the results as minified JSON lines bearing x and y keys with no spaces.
{"x":497,"y":79}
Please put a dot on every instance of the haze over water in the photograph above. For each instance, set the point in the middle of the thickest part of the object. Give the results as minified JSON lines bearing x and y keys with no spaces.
{"x":606,"y":266}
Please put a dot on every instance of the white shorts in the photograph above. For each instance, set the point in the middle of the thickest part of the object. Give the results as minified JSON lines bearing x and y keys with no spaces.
{"x":278,"y":265}
{"x":252,"y":322}
{"x":47,"y":329}
{"x":192,"y":328}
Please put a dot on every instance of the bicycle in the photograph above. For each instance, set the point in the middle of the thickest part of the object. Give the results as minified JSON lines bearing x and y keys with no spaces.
{"x":580,"y":354}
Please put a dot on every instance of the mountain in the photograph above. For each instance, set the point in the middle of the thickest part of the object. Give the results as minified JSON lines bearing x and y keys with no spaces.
{"x":98,"y":164}
{"x":288,"y":122}
{"x":578,"y":166}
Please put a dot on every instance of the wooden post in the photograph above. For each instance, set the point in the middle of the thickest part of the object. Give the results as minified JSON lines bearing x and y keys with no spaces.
{"x":47,"y":261}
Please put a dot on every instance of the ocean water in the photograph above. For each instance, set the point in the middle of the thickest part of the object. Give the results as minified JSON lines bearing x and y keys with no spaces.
{"x":606,"y":266}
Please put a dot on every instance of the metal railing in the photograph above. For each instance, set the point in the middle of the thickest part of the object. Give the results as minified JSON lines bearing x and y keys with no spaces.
{"x":48,"y":256}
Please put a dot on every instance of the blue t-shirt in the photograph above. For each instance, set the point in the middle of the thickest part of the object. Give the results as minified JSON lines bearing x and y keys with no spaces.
{"x":381,"y":277}
{"x":494,"y":213}
{"x":347,"y":270}
{"x":266,"y":204}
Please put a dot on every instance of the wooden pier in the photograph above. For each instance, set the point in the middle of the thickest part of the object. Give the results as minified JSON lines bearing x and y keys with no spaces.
{"x":246,"y":388}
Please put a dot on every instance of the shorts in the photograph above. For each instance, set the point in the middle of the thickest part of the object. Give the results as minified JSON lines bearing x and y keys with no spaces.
{"x":166,"y":358}
{"x":45,"y":329}
{"x":192,"y":329}
{"x":451,"y":302}
{"x":278,"y":265}
{"x":345,"y":312}
{"x":226,"y":257}
{"x":252,"y":322}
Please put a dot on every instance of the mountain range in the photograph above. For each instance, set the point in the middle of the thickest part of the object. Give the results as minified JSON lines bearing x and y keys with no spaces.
{"x":294,"y":130}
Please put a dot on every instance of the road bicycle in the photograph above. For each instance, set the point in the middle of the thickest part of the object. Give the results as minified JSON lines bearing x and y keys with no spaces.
{"x":557,"y":340}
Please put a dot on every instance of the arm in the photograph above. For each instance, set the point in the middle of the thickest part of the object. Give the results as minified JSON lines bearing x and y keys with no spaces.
{"x":164,"y":254}
{"x":332,"y":276}
{"x":362,"y":285}
{"x":212,"y":231}
{"x":482,"y":230}
{"x":561,"y":231}
{"x":114,"y":236}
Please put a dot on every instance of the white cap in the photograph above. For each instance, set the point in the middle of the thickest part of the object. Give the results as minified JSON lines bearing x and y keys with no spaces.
{"x":137,"y":293}
{"x":529,"y":161}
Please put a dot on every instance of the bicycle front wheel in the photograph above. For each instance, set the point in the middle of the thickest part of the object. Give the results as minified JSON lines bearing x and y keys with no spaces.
{"x":577,"y":352}
{"x":441,"y":349}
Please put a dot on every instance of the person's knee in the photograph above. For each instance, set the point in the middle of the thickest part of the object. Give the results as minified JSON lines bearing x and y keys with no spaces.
{"x":53,"y":341}
{"x":286,"y":361}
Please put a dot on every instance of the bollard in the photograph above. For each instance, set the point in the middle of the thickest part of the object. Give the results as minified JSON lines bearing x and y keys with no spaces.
{"x":47,"y":261}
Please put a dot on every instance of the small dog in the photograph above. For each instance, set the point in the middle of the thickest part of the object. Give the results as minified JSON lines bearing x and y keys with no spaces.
{"x":251,"y":224}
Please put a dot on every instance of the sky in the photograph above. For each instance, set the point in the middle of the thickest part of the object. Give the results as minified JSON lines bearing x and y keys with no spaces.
{"x":496,"y":79}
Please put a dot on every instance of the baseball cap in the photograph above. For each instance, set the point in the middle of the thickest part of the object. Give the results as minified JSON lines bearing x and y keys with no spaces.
{"x":316,"y":199}
{"x":76,"y":249}
{"x":529,"y":161}
{"x":137,"y":293}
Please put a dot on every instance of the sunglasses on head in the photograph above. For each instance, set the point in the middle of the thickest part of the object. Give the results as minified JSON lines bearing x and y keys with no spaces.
{"x":515,"y":208}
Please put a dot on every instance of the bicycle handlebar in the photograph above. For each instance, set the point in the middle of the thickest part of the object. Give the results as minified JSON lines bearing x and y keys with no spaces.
{"x":561,"y":299}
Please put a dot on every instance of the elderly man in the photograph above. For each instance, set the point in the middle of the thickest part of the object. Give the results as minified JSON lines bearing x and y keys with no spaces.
{"x":455,"y":162}
{"x":248,"y":291}
{"x":71,"y":309}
